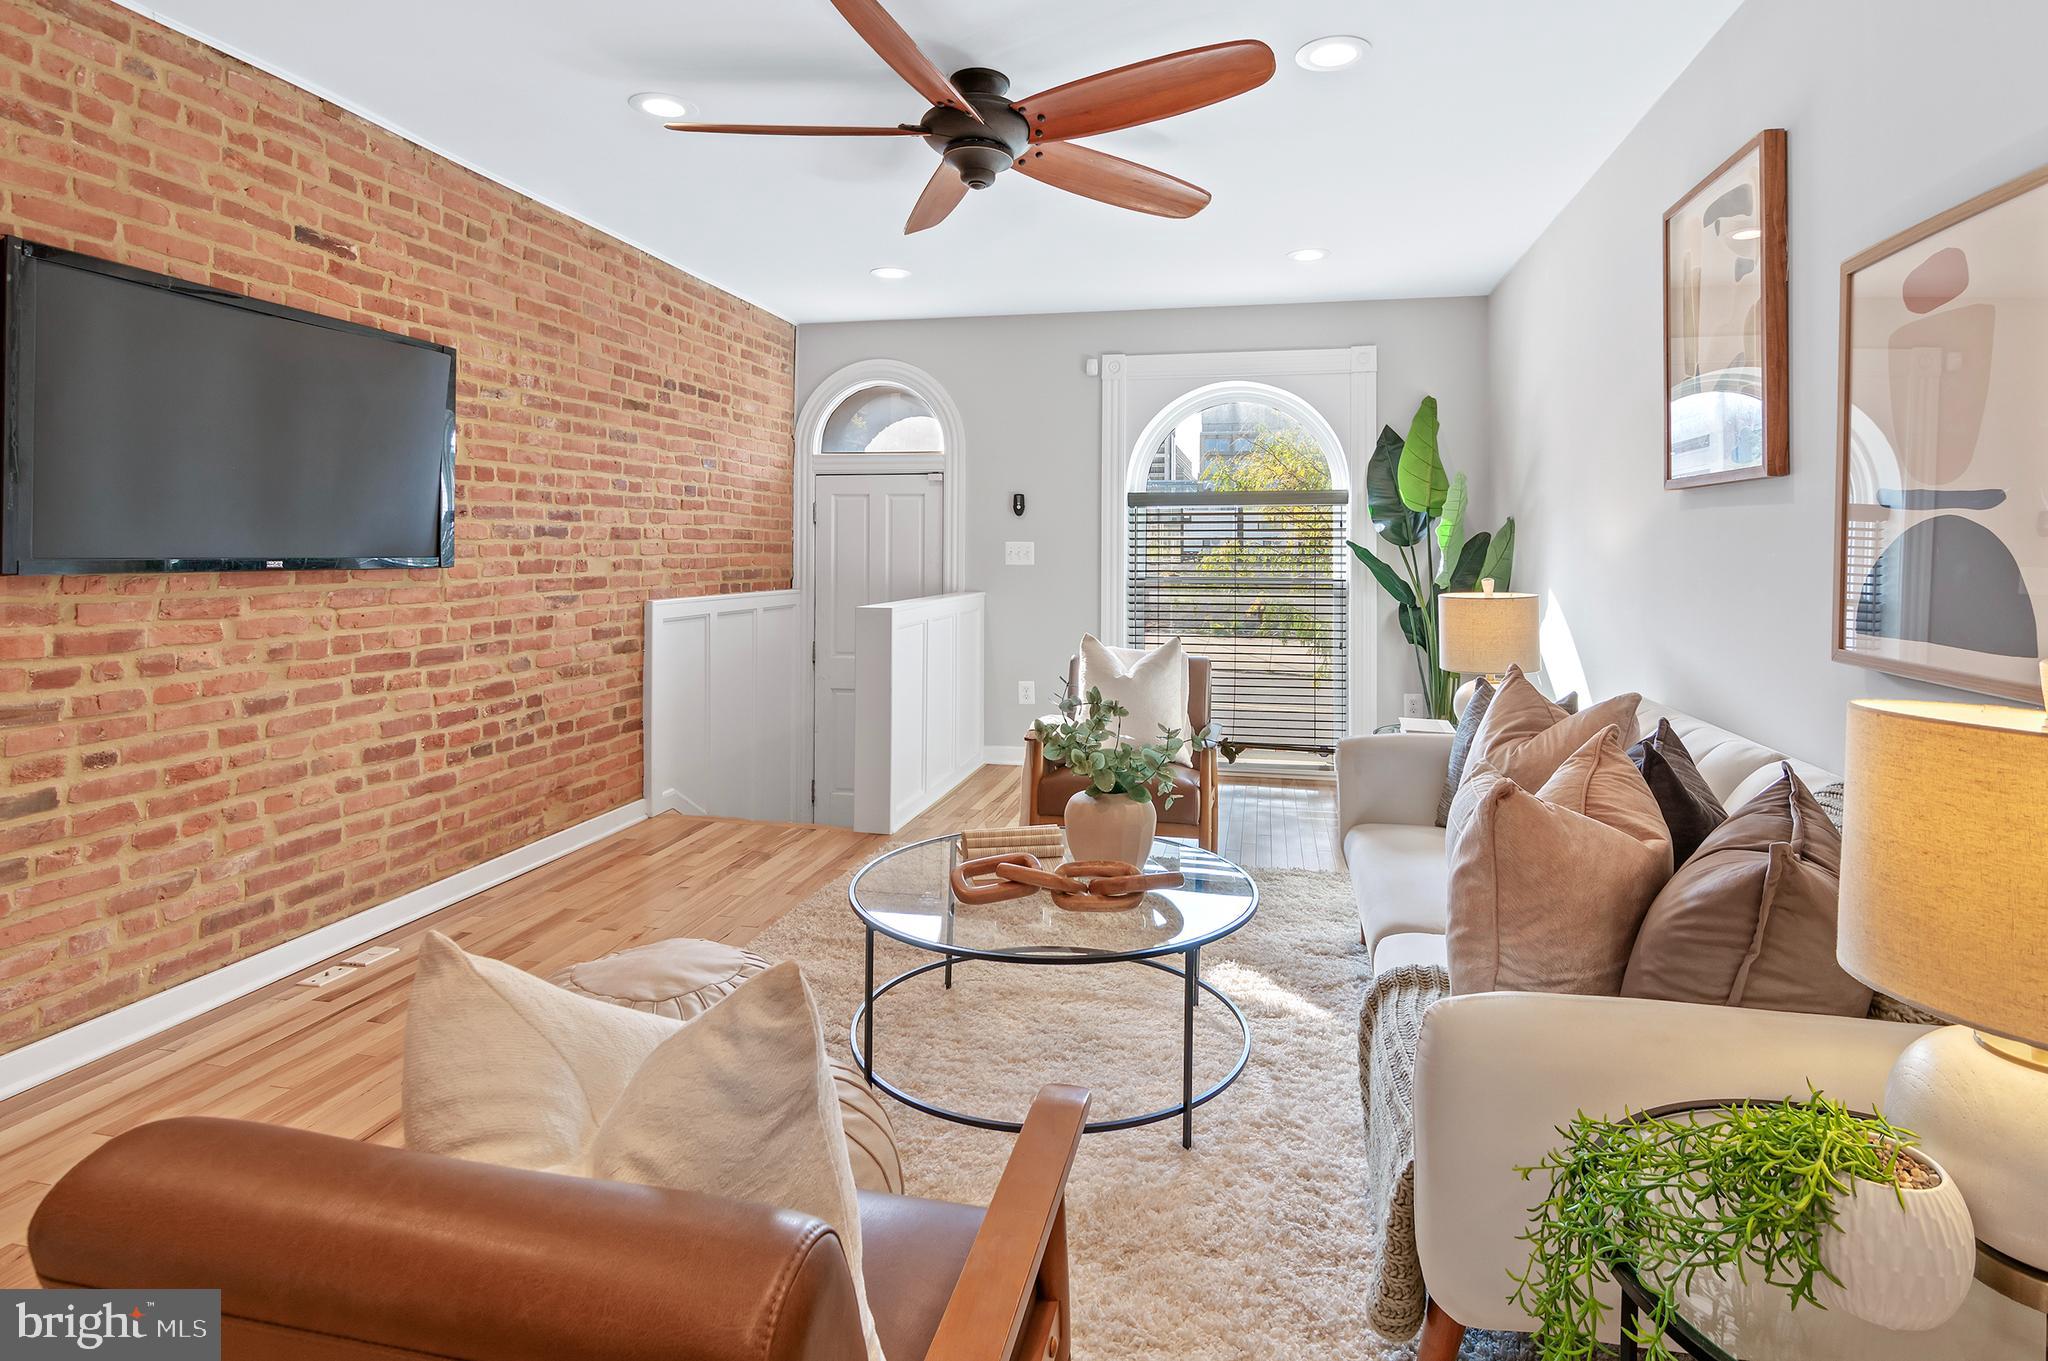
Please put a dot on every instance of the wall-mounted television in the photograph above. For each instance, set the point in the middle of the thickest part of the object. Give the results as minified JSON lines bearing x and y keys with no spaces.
{"x":155,"y":425}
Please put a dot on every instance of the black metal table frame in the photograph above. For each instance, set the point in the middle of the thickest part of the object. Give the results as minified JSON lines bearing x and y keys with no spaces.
{"x":862,"y":1036}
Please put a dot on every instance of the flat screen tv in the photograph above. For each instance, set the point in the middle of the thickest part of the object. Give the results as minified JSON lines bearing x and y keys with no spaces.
{"x":155,"y":425}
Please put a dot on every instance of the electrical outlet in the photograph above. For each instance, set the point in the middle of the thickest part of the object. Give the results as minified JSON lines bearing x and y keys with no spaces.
{"x":370,"y":956}
{"x":1413,"y":707}
{"x":1027,"y":692}
{"x":1020,"y":553}
{"x":328,"y":975}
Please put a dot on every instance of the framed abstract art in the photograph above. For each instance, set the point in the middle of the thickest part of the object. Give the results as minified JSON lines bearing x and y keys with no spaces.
{"x":1727,"y":388}
{"x":1941,"y":541}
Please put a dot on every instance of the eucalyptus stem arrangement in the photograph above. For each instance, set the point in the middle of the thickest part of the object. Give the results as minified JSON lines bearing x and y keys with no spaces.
{"x":1089,"y":740}
{"x":1749,"y":1187}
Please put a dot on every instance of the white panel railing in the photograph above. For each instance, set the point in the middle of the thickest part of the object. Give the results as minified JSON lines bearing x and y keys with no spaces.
{"x":727,"y":704}
{"x":917,"y":704}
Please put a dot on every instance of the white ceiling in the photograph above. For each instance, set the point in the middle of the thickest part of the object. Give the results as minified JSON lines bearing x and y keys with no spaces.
{"x":1425,"y":170}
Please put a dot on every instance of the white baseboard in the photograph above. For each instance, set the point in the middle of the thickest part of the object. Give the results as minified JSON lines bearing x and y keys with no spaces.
{"x":44,"y":1059}
{"x":1002,"y":756}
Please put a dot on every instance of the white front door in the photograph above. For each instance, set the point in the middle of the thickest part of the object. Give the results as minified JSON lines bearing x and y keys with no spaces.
{"x":879,"y":538}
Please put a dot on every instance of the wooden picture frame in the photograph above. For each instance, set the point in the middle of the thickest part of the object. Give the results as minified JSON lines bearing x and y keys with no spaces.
{"x":1718,"y":440}
{"x":1944,"y":451}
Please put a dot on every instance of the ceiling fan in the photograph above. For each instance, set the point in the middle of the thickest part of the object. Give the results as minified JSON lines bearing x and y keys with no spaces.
{"x":979,"y":131}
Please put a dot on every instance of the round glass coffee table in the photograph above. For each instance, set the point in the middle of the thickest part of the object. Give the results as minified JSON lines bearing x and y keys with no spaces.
{"x":906,"y":895}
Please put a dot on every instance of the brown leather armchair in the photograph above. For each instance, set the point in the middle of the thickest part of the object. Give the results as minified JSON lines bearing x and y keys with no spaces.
{"x":1194,"y":814}
{"x":326,"y":1249}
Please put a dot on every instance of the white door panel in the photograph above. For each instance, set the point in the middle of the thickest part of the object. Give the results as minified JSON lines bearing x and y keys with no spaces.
{"x":880,"y":538}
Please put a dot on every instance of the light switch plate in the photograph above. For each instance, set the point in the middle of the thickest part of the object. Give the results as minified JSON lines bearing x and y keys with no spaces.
{"x":1020,"y":553}
{"x":1027,"y":692}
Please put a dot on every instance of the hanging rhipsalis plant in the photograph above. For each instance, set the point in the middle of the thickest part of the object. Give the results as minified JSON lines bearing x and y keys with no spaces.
{"x":1419,"y":511}
{"x":1749,"y":1192}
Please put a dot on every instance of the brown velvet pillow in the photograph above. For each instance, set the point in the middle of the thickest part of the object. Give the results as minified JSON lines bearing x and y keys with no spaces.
{"x":1690,"y":809}
{"x":1526,"y":738}
{"x":1547,"y":889}
{"x":1749,"y":921}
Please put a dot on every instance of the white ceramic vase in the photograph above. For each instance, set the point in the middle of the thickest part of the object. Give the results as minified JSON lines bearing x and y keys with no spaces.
{"x":1111,"y":828}
{"x":1905,"y":1261}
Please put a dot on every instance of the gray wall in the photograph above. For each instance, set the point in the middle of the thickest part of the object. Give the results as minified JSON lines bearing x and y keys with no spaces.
{"x":1718,"y":600}
{"x":1033,"y":424}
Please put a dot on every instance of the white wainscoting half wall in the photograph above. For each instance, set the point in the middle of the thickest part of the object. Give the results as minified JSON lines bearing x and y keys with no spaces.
{"x":728,"y":706}
{"x":917,"y":704}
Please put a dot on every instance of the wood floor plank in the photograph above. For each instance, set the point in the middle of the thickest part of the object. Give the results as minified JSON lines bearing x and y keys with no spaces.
{"x":329,"y":1059}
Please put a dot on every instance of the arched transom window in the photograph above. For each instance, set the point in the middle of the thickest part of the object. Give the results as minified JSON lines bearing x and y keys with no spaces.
{"x":883,"y":419}
{"x":1237,"y":518}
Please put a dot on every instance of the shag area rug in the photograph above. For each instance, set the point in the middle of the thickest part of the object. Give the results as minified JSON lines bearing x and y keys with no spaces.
{"x":1250,"y":1244}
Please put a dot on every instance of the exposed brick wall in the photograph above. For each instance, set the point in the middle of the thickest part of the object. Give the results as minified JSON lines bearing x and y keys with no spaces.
{"x":195,"y":767}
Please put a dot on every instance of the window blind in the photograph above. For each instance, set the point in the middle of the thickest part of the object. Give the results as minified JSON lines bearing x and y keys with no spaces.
{"x":1258,"y":582}
{"x":1862,"y":550}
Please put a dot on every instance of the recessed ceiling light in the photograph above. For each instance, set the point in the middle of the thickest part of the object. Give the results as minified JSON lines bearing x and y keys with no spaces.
{"x":1746,"y":234}
{"x":1333,"y":53}
{"x":655,"y":104}
{"x":890,"y":272}
{"x":1307,"y":254}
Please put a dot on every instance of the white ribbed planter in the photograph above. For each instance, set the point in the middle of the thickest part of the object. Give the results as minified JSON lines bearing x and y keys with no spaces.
{"x":1905,"y":1266}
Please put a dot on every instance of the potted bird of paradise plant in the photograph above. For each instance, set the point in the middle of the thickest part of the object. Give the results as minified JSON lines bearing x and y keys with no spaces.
{"x":1418,"y":510}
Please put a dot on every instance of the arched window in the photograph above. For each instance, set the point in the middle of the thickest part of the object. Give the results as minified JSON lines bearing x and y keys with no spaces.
{"x":883,"y":419}
{"x":1237,"y":514}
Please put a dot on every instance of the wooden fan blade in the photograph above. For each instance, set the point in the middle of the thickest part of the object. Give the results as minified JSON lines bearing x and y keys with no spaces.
{"x":793,"y":130}
{"x":1111,"y":179}
{"x":881,"y":32}
{"x":1148,"y":90}
{"x":942,"y":194}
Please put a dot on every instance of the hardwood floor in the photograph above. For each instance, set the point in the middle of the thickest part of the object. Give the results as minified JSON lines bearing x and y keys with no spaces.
{"x":327,"y":1059}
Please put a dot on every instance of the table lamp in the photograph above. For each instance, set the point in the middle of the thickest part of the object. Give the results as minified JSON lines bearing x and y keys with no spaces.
{"x":1484,"y":632}
{"x":1944,"y":905}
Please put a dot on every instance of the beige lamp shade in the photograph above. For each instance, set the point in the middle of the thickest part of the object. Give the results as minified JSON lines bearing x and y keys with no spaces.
{"x":1483,"y":633}
{"x":1945,"y":861}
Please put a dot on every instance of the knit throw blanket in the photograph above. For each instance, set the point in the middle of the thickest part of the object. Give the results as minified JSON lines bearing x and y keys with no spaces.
{"x":1389,"y":1032}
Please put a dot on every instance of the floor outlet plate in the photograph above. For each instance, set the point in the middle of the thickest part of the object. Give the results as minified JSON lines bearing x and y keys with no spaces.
{"x":326,"y":976}
{"x":370,"y":956}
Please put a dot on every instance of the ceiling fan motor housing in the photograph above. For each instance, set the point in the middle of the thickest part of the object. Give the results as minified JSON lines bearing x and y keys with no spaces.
{"x":979,"y":151}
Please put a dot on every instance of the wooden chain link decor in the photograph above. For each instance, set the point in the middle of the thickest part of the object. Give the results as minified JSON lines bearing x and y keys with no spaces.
{"x":1077,"y":885}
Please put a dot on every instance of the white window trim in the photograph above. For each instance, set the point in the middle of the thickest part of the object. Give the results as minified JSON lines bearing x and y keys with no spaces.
{"x":1256,"y":373}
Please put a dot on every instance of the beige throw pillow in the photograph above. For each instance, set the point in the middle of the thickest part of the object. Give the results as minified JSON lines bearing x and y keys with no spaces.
{"x":1526,"y":737}
{"x":1749,"y":921}
{"x":1547,"y":889}
{"x":1152,"y":685}
{"x":504,"y":1067}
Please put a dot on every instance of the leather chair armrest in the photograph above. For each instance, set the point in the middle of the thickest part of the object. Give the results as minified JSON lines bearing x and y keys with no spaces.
{"x":1033,"y":772}
{"x":1497,"y":1073}
{"x":1014,"y":1286}
{"x":328,"y":1247}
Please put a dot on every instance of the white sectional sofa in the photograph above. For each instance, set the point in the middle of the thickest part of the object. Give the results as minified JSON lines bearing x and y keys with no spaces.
{"x":1497,"y":1073}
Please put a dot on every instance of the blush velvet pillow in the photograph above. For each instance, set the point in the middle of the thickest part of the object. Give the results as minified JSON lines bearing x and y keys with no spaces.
{"x":1749,"y":921}
{"x":1525,"y":737}
{"x":1152,"y":685}
{"x":1690,"y":809}
{"x":1547,"y":889}
{"x":504,"y":1067}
